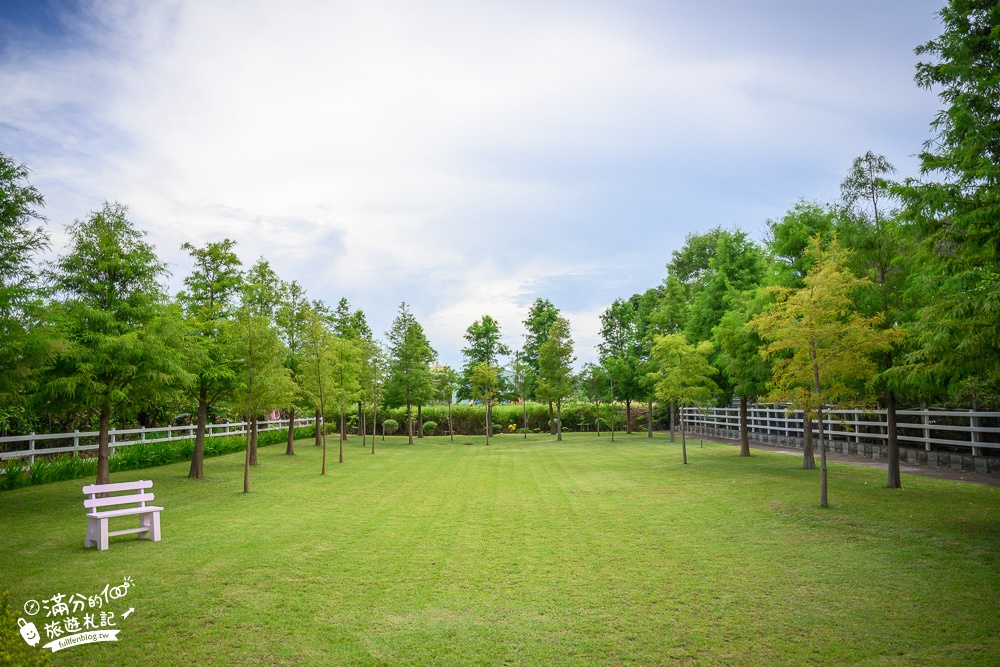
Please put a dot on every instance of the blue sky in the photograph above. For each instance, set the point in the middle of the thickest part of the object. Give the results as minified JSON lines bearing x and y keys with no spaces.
{"x":463,"y":157}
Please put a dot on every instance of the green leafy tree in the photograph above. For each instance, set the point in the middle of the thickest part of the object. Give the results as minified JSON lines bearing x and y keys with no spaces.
{"x":541,"y":316}
{"x":484,"y":347}
{"x":263,"y":382}
{"x":881,"y":249}
{"x":316,"y":369}
{"x":522,"y":373}
{"x":736,"y":264}
{"x":292,"y":320}
{"x":684,"y":375}
{"x":739,"y":357}
{"x":345,"y":372}
{"x":821,"y":346}
{"x":208,"y":301}
{"x":555,"y":368}
{"x":261,"y":295}
{"x":120,"y":345}
{"x":445,"y":385}
{"x":410,"y":354}
{"x":375,"y":369}
{"x":354,"y":326}
{"x":594,"y":384}
{"x":484,"y":386}
{"x":956,"y":206}
{"x":621,"y":352}
{"x":25,"y":348}
{"x":790,"y":238}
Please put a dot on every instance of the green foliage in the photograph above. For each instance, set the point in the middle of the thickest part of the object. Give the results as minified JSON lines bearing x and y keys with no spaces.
{"x":790,"y":239}
{"x":390,"y":426}
{"x":684,"y":374}
{"x":957,"y":207}
{"x":820,"y":344}
{"x":122,"y":344}
{"x":739,"y":347}
{"x":484,"y":348}
{"x":555,"y":363}
{"x":541,"y":316}
{"x":410,"y":381}
{"x":430,"y":427}
{"x":22,"y":352}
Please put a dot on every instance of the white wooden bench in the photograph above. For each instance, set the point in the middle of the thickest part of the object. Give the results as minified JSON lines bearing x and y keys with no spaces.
{"x":97,"y":518}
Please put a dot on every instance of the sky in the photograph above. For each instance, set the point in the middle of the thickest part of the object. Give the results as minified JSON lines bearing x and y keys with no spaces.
{"x":463,"y":157}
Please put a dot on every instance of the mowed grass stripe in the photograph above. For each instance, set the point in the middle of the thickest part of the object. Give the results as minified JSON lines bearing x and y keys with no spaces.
{"x":537,"y":552}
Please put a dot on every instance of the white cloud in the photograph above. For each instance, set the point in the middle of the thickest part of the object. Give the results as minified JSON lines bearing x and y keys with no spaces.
{"x":459,"y":157}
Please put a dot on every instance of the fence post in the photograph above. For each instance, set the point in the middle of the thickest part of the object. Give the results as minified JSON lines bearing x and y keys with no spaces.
{"x":974,"y":426}
{"x":111,"y":445}
{"x":142,"y":434}
{"x":76,"y":443}
{"x":927,"y":432}
{"x":31,"y":449}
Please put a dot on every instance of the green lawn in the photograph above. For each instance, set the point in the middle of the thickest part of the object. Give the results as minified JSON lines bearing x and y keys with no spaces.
{"x":582,"y":552}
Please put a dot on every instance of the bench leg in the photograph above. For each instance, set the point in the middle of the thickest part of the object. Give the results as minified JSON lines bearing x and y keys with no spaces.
{"x":93,"y":531}
{"x":97,"y":534}
{"x":102,"y":537}
{"x":151,"y":522}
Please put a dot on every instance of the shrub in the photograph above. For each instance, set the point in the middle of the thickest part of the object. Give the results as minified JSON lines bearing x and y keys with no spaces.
{"x":430,"y":427}
{"x":497,"y":429}
{"x":390,"y":426}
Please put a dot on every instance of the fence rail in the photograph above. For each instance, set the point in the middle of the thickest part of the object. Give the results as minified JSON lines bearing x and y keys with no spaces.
{"x":84,"y":441}
{"x":967,"y":431}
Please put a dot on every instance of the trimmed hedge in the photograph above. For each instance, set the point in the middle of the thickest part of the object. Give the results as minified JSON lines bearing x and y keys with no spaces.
{"x":471,"y":419}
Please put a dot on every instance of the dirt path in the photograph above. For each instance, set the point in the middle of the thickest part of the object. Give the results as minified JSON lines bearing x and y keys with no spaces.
{"x":854,"y":460}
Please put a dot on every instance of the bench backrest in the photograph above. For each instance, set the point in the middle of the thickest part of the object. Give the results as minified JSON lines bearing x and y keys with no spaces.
{"x":142,"y":497}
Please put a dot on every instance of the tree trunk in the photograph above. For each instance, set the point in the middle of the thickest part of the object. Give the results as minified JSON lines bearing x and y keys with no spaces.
{"x":420,"y":420}
{"x":822,"y":460}
{"x":744,"y":428}
{"x":628,"y":416}
{"x":558,"y":421}
{"x":319,"y":429}
{"x":808,"y":458}
{"x":524,"y":415}
{"x":197,"y":470}
{"x":649,"y":419}
{"x":246,"y":466}
{"x":894,"y":481}
{"x":552,"y":420}
{"x":361,"y":420}
{"x":103,"y":452}
{"x":487,"y":425}
{"x":290,"y":448}
{"x":375,"y":422}
{"x":409,"y":423}
{"x":597,"y":422}
{"x":612,"y":406}
{"x":253,"y":441}
{"x":323,"y":437}
{"x":343,"y":433}
{"x":684,"y":446}
{"x":673,"y":420}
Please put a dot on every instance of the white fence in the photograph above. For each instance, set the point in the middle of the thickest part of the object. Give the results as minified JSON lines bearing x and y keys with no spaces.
{"x":85,"y":441}
{"x":964,"y":431}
